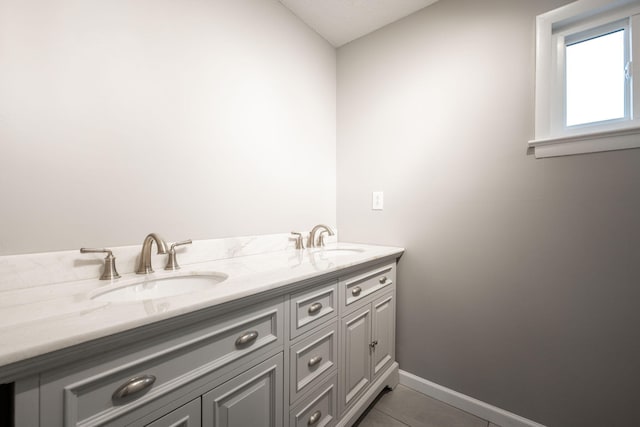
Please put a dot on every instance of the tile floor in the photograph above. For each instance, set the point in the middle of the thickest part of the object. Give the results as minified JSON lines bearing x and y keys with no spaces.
{"x":404,"y":407}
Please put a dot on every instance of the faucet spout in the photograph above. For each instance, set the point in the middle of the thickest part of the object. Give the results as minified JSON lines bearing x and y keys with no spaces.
{"x":311,"y":242}
{"x":144,"y":264}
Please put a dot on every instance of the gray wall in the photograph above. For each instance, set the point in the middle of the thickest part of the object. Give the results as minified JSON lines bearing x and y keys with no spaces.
{"x":521,"y":281}
{"x":195,"y":119}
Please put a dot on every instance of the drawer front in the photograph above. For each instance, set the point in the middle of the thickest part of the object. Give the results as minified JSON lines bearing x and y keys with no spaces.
{"x":319,"y":410}
{"x":312,"y":307}
{"x":311,"y":359}
{"x":358,"y":287}
{"x":112,"y":389}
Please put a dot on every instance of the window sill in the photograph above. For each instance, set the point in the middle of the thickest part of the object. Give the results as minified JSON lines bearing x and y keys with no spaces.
{"x":593,"y":142}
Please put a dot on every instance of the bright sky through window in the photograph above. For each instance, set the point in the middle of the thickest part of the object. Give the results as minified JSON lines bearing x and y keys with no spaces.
{"x":595,"y":79}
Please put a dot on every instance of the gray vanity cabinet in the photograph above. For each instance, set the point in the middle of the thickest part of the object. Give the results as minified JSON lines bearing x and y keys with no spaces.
{"x":315,"y":355}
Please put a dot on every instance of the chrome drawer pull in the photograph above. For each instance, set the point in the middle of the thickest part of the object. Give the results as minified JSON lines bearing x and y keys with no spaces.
{"x":314,"y":418}
{"x":314,"y":361}
{"x":382,"y":280}
{"x":356,"y":291}
{"x":315,"y":308}
{"x":246,"y":339}
{"x":133,"y":386}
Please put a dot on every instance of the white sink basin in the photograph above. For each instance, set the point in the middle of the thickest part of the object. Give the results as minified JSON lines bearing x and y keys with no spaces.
{"x":335,"y":251}
{"x":161,"y":288}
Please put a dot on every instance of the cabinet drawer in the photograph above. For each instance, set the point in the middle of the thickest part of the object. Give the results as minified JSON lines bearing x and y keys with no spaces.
{"x":359,"y":286}
{"x":319,"y":410}
{"x":311,"y":359}
{"x":312,"y":307}
{"x":89,"y":394}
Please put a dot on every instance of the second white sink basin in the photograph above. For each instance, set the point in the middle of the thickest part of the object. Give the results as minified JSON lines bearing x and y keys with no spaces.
{"x":161,"y":288}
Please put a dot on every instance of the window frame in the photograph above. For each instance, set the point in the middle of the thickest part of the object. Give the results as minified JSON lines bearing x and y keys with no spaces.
{"x":584,"y":17}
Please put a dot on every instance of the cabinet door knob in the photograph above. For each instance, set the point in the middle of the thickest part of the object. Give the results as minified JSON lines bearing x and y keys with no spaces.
{"x":382,"y":280}
{"x":356,"y":291}
{"x":314,"y":418}
{"x":133,"y":386}
{"x":246,"y":339}
{"x":315,"y":308}
{"x":373,"y":344}
{"x":314,"y":361}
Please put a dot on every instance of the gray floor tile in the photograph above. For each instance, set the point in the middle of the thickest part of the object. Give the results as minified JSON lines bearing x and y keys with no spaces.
{"x":418,"y":410}
{"x":376,"y":418}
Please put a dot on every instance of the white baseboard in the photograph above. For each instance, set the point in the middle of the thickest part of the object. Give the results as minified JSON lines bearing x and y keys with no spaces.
{"x":468,"y":404}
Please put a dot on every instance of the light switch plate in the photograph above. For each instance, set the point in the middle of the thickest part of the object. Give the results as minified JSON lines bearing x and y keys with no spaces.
{"x":377,"y":200}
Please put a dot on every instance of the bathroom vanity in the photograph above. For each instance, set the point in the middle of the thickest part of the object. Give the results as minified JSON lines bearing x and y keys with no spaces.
{"x":289,"y":338}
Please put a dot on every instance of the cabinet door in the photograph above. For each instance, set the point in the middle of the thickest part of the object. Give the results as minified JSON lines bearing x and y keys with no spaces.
{"x":356,"y":337}
{"x":383,"y":333}
{"x":254,"y":398}
{"x":185,"y":416}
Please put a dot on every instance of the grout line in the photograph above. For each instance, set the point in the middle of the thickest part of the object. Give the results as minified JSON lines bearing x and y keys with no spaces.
{"x":456,"y":409}
{"x":392,"y":417}
{"x":383,"y":412}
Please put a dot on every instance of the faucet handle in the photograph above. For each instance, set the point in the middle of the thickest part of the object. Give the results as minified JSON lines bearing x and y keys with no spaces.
{"x":109,"y":272}
{"x":172,"y":262}
{"x":298,"y":239}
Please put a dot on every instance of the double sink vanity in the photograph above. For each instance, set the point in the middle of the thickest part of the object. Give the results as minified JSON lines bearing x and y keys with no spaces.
{"x":287,"y":337}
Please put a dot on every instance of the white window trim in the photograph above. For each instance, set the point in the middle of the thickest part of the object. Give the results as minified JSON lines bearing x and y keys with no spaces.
{"x":549,"y":109}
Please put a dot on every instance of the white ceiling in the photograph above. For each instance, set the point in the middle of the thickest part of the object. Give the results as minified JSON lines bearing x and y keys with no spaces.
{"x":341,"y":21}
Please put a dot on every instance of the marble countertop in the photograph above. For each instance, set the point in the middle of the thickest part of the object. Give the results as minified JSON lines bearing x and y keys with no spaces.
{"x":38,"y":320}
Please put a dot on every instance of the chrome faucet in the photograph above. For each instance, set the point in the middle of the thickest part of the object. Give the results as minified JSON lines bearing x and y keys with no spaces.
{"x":144,"y":264}
{"x":311,"y":242}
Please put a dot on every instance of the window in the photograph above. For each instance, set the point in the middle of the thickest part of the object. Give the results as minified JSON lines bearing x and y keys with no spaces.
{"x":596,"y":86}
{"x":585,"y":96}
